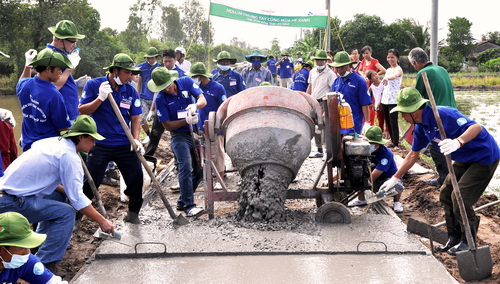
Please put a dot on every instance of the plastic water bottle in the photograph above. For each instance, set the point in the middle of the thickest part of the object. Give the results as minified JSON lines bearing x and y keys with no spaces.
{"x":346,"y":119}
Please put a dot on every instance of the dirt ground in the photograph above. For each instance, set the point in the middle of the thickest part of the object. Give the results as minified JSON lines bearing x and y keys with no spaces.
{"x":417,"y":198}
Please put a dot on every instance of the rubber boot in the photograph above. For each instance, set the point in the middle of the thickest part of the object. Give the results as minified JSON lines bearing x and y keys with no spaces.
{"x":132,"y":217}
{"x":463,"y":246}
{"x":454,"y":234}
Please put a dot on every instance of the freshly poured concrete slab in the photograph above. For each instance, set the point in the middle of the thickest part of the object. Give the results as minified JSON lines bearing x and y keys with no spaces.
{"x":374,"y":248}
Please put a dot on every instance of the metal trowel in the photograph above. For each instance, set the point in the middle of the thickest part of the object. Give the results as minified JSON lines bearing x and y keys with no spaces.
{"x":116,"y":237}
{"x":382,"y":194}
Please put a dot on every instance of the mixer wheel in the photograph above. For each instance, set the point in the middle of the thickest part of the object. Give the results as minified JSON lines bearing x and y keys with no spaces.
{"x":336,"y":196}
{"x":333,"y":212}
{"x":211,"y":126}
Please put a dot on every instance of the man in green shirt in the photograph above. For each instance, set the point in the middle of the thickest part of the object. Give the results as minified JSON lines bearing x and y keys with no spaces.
{"x":442,"y":89}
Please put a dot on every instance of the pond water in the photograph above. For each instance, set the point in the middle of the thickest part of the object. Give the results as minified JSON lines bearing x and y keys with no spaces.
{"x":483,"y":107}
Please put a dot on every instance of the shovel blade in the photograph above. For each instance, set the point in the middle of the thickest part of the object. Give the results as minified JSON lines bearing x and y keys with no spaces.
{"x":180,"y":220}
{"x":475,"y":264}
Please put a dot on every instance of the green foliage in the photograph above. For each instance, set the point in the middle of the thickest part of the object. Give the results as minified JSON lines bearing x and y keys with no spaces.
{"x":460,"y":36}
{"x":487,"y":55}
{"x":194,"y":24}
{"x":450,"y":59}
{"x":306,"y":47}
{"x":491,"y":37}
{"x":275,"y":48}
{"x":492,"y":65}
{"x":171,"y":27}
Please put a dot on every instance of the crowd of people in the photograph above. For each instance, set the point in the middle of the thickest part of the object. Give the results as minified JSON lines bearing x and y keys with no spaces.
{"x":60,"y":127}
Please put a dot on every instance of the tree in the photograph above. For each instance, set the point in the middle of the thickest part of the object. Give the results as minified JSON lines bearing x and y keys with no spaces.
{"x":487,"y":55}
{"x":194,"y":24}
{"x":459,"y":36}
{"x":171,"y":27}
{"x":135,"y":36}
{"x":275,"y":48}
{"x":491,"y":37}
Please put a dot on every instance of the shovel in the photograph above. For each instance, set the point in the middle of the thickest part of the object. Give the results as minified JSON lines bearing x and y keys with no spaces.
{"x":178,"y":220}
{"x":476,"y":263}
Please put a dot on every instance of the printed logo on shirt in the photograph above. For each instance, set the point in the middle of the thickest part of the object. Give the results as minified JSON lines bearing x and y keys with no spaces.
{"x":38,"y":268}
{"x":461,"y":121}
{"x":384,"y":161}
{"x":158,"y":113}
{"x":137,"y":103}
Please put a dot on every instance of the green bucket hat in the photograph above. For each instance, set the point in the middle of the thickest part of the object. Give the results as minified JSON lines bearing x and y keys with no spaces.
{"x":15,"y":231}
{"x":83,"y":124}
{"x":309,"y":63}
{"x":51,"y":58}
{"x":122,"y":60}
{"x":340,"y":59}
{"x":224,"y":55}
{"x":151,"y":52}
{"x":256,"y":53}
{"x":409,"y":100}
{"x":161,"y":78}
{"x":65,"y":29}
{"x":320,"y":55}
{"x":198,"y":69}
{"x":374,"y":135}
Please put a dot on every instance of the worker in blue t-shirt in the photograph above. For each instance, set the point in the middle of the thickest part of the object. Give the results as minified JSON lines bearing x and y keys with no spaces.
{"x":354,"y":90}
{"x":231,"y":80}
{"x":474,"y":152}
{"x":142,"y":87}
{"x":44,"y":112}
{"x":177,"y":101}
{"x":286,"y":70}
{"x":215,"y":95}
{"x":116,"y":147}
{"x":16,"y":240}
{"x":385,"y":167}
{"x":301,"y":77}
{"x":271,"y":65}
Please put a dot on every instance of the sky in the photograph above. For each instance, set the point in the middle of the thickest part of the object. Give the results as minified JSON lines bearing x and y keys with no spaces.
{"x":114,"y":14}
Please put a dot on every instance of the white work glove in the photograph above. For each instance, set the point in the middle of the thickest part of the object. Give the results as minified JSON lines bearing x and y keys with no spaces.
{"x":6,"y":115}
{"x":149,"y":117}
{"x":140,"y":148}
{"x":30,"y":54}
{"x":104,"y":90}
{"x":192,"y":119}
{"x":80,"y":82}
{"x":391,"y":183}
{"x":449,"y":146}
{"x":75,"y":59}
{"x":191,"y":109}
{"x":365,"y":127}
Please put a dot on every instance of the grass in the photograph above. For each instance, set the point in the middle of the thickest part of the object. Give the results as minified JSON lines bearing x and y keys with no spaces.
{"x":460,"y":79}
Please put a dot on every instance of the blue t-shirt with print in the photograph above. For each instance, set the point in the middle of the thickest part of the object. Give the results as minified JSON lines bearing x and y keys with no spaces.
{"x":69,"y":91}
{"x":33,"y":271}
{"x":105,"y":118}
{"x":215,"y":95}
{"x":146,"y":71}
{"x":286,"y":69}
{"x":356,"y":94}
{"x":173,"y":106}
{"x":232,"y":82}
{"x":300,"y":80}
{"x":384,"y":161}
{"x":43,"y":108}
{"x":483,"y":149}
{"x":271,"y":65}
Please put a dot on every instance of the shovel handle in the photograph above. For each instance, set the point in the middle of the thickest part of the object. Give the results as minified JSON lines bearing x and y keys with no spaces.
{"x":91,"y":182}
{"x":454,"y":183}
{"x":141,"y":158}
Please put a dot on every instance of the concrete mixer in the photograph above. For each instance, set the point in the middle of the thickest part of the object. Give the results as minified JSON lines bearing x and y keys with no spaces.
{"x":268,"y":132}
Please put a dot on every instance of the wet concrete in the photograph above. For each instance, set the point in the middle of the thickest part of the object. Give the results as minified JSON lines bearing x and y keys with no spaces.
{"x":263,"y":192}
{"x":374,"y":248}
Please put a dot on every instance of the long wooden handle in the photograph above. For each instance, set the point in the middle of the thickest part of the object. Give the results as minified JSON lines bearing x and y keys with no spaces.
{"x":454,"y":183}
{"x":91,"y":182}
{"x":141,"y":158}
